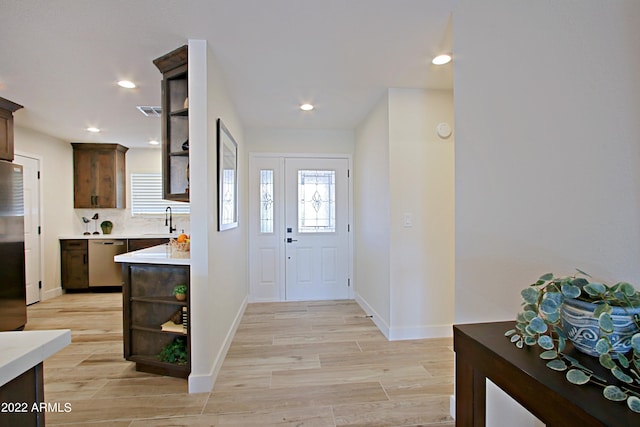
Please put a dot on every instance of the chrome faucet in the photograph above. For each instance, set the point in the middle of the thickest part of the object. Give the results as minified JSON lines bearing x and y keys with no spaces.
{"x":168,"y":219}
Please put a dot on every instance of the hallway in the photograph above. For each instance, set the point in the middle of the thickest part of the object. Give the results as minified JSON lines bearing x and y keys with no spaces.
{"x":290,"y":364}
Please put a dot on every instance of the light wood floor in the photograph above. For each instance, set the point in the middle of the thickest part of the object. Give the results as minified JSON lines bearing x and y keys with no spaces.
{"x":290,"y":364}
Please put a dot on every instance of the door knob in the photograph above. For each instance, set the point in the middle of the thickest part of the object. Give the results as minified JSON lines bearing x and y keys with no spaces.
{"x":290,"y":240}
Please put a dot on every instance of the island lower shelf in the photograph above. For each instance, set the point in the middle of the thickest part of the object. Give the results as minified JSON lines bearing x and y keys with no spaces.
{"x":148,"y":308}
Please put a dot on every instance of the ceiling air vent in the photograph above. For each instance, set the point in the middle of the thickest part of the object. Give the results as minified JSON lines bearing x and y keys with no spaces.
{"x":150,"y":111}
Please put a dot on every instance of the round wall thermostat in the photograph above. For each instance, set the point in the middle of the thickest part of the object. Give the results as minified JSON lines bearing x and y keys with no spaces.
{"x":444,"y":130}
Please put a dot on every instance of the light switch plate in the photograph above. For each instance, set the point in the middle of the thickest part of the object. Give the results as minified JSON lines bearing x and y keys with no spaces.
{"x":407,"y":220}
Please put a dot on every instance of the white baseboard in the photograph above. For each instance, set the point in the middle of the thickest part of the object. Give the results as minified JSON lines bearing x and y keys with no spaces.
{"x":204,"y":383}
{"x":377,"y":319}
{"x":404,"y":333}
{"x":51,"y":293}
{"x":452,"y":406}
{"x":420,"y":332}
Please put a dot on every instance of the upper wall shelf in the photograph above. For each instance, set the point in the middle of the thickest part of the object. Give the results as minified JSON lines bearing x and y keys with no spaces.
{"x":175,"y":123}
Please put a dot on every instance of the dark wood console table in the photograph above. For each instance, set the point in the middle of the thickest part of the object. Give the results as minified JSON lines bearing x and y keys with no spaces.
{"x":482,"y":351}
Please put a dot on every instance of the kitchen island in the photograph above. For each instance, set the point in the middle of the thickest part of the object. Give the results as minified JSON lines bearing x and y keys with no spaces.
{"x":22,"y":400}
{"x":155,"y":322}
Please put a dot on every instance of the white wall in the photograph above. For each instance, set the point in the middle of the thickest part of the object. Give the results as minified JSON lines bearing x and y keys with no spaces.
{"x":299,"y":141}
{"x":405,"y":275}
{"x":56,"y":171}
{"x":219,"y":283}
{"x":372,"y":215}
{"x":421,"y":185}
{"x":547,"y":100}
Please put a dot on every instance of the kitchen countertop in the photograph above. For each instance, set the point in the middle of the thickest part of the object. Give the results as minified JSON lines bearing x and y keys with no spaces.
{"x":117,"y":236}
{"x":22,"y":350}
{"x":161,"y":254}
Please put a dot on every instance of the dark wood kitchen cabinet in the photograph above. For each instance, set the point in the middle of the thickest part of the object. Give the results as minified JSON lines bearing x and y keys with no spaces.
{"x":175,"y":124}
{"x":99,"y":175}
{"x":74,"y":255}
{"x":7,"y":108}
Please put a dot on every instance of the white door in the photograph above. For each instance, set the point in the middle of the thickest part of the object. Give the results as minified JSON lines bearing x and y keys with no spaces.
{"x":31,"y":168}
{"x":299,"y":229}
{"x":317,"y":226}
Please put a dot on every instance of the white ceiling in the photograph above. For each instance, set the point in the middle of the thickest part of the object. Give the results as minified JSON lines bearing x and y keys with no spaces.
{"x":61,"y":59}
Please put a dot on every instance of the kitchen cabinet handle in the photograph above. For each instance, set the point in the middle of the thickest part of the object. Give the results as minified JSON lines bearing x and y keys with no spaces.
{"x":84,"y":258}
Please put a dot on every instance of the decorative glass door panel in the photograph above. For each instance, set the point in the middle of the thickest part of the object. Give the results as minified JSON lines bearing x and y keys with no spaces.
{"x":316,"y":201}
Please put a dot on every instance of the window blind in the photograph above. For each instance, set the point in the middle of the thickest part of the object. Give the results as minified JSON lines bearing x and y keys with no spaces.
{"x":146,"y":196}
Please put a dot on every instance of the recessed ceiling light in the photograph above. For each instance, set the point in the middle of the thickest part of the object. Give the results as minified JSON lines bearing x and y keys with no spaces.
{"x":306,"y":107}
{"x":93,"y":129}
{"x":441,"y":59}
{"x":154,"y":142}
{"x":126,"y":84}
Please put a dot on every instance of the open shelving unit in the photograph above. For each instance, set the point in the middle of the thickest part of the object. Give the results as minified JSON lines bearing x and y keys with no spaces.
{"x":175,"y":123}
{"x":147,"y":304}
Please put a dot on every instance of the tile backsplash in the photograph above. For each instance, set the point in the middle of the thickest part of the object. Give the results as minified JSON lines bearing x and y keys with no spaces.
{"x":124,"y":223}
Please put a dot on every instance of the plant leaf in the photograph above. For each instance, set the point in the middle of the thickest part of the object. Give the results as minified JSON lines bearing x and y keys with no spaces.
{"x":602,"y":308}
{"x":548,"y":355}
{"x":635,"y":342}
{"x":580,"y":282}
{"x":553,"y":317}
{"x":627,"y":289}
{"x":538,"y":325}
{"x":530,"y":295}
{"x":545,"y":342}
{"x":595,"y":289}
{"x":515,"y":338}
{"x":509,"y":332}
{"x":633,"y":402}
{"x":529,"y":314}
{"x":576,"y":376}
{"x":546,"y":277}
{"x":549,"y":306}
{"x":606,"y":361}
{"x":570,"y":290}
{"x":617,"y":372}
{"x":529,"y":340}
{"x":603,"y":346}
{"x":557,"y":365}
{"x":614,"y":393}
{"x":519,"y":344}
{"x":622,"y":359}
{"x":605,"y":322}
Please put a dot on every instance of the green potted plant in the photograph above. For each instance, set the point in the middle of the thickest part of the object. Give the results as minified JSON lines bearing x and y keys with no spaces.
{"x":106,"y":226}
{"x":180,"y":292}
{"x":175,"y":352}
{"x":600,"y":320}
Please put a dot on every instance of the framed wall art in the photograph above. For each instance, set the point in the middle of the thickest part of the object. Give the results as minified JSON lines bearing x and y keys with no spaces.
{"x":227,"y":179}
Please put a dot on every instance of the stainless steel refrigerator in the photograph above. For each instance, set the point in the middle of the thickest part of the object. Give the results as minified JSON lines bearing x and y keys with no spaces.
{"x":13,"y":304}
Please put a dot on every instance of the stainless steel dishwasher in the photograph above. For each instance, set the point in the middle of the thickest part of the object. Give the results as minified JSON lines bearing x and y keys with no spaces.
{"x":102,"y":270}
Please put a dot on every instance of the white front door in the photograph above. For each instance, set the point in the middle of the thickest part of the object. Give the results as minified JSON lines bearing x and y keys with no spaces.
{"x":299,"y":228}
{"x":316,"y":234}
{"x":31,"y":188}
